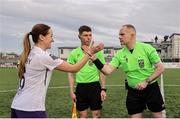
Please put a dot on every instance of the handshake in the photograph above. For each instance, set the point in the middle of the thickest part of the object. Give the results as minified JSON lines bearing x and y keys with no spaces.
{"x":92,"y":49}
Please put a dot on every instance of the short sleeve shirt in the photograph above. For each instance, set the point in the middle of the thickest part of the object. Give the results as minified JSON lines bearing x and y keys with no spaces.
{"x":137,"y":65}
{"x":33,"y":87}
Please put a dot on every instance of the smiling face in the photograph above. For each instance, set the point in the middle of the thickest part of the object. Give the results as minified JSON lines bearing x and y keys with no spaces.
{"x":46,"y":40}
{"x":49,"y":39}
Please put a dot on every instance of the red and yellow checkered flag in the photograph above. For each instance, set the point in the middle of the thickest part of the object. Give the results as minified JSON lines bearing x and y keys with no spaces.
{"x":74,"y":114}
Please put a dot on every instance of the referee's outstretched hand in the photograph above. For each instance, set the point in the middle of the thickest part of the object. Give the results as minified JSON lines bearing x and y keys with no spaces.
{"x":93,"y":49}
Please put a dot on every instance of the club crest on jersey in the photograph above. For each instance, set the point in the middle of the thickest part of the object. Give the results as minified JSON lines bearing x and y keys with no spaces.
{"x":141,"y":62}
{"x":53,"y":57}
{"x":78,"y":55}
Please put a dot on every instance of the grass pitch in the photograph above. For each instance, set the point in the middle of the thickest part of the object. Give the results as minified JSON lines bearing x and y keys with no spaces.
{"x":59,"y":105}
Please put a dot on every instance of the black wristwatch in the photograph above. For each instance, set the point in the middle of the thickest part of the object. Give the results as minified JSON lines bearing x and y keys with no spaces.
{"x":148,"y":80}
{"x":104,"y":89}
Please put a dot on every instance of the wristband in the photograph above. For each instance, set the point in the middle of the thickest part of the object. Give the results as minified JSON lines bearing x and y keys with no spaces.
{"x":98,"y":64}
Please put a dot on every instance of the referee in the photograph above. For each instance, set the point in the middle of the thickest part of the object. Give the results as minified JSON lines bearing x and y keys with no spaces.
{"x":142,"y":66}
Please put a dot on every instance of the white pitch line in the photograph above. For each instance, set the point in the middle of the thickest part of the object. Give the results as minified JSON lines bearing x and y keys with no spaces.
{"x":5,"y":91}
{"x":64,"y":87}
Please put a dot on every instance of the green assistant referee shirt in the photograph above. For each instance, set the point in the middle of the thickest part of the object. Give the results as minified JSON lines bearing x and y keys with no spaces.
{"x":89,"y":73}
{"x":139,"y":64}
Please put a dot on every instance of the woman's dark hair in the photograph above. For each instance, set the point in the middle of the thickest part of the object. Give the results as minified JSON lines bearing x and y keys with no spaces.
{"x":38,"y":29}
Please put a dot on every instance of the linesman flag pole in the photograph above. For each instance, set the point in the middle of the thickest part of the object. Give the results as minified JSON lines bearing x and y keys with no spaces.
{"x":74,"y":112}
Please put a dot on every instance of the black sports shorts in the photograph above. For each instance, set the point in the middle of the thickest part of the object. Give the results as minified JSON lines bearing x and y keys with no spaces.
{"x":88,"y":95}
{"x":150,"y":97}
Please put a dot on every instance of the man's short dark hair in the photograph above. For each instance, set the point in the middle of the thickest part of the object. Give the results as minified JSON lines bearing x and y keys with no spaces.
{"x":130,"y":26}
{"x":84,"y":28}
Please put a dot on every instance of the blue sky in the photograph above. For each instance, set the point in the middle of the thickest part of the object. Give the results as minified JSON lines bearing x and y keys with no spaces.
{"x":105,"y":17}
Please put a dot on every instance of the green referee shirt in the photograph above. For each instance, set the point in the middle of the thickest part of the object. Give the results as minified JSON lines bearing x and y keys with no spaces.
{"x":89,"y":73}
{"x":137,"y":65}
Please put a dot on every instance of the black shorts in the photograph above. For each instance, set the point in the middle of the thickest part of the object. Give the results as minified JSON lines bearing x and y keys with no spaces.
{"x":150,"y":97}
{"x":88,"y":95}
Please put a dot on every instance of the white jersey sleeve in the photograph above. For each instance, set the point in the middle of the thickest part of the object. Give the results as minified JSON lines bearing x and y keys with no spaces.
{"x":50,"y":61}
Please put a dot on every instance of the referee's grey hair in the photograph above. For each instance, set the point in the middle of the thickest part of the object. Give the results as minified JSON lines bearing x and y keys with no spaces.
{"x":130,"y":26}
